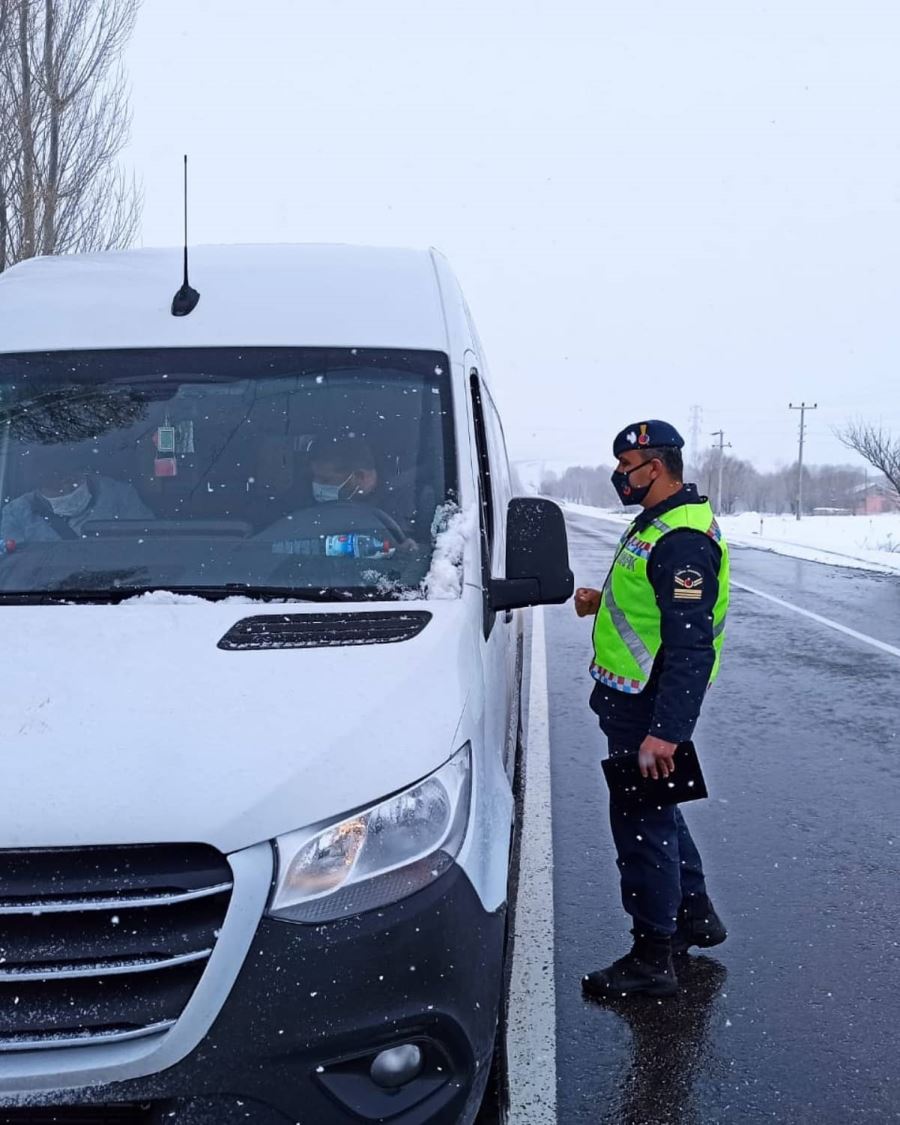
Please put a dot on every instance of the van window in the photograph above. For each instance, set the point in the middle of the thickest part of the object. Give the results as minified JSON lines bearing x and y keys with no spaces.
{"x":500,"y":480}
{"x":484,"y":462}
{"x":311,"y":470}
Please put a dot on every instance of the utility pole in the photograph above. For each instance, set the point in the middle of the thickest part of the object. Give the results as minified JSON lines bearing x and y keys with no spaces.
{"x":723,"y":445}
{"x":803,"y":407}
{"x":696,"y":422}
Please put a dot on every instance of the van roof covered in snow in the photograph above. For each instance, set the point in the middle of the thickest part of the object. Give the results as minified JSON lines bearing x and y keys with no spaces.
{"x":279,"y":295}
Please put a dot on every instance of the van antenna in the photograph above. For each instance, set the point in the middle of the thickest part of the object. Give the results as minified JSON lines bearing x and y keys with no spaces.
{"x":185,"y":300}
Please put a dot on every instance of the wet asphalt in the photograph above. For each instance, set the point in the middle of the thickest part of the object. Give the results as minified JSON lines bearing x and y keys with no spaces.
{"x":796,"y":1018}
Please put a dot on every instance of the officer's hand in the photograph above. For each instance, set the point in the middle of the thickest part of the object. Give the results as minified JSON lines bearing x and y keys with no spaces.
{"x":587,"y":601}
{"x":656,"y":757}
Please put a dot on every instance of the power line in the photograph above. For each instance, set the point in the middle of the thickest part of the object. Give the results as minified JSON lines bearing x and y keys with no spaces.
{"x":722,"y":446}
{"x":803,"y":407}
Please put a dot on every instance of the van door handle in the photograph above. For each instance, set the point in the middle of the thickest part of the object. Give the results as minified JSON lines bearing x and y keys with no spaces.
{"x":508,"y":616}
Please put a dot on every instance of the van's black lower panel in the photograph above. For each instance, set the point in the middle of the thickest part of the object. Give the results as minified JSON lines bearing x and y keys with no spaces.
{"x":312,"y":1006}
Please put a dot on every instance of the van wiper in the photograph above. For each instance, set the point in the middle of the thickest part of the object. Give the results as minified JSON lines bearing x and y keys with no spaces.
{"x":273,"y":593}
{"x":113,"y":595}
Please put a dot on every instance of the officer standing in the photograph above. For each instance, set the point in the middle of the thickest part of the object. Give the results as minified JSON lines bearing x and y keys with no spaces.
{"x":658,"y":630}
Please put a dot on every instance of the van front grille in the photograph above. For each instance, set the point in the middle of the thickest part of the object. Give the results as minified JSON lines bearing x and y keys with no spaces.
{"x":104,"y":944}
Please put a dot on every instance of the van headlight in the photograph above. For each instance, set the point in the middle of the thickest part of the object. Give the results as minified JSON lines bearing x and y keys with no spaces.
{"x":376,"y":856}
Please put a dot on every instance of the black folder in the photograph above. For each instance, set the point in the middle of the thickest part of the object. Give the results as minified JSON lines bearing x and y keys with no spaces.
{"x":623,"y":776}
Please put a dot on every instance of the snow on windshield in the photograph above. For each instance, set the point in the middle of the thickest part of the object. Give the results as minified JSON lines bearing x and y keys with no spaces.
{"x":451,"y":529}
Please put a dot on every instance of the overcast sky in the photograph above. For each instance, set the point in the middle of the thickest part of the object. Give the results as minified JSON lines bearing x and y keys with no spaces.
{"x":650,"y":205}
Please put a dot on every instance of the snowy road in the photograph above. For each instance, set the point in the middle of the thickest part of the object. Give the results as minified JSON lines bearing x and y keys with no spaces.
{"x":794,"y":1018}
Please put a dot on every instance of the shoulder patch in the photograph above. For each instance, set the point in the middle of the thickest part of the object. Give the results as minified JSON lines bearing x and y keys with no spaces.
{"x":688,"y":584}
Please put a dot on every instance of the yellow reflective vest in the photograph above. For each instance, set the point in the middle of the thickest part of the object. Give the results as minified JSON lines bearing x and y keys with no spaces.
{"x":627,"y":633}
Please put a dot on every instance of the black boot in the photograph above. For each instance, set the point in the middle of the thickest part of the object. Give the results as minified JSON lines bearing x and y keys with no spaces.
{"x":698,"y":924}
{"x":647,"y":969}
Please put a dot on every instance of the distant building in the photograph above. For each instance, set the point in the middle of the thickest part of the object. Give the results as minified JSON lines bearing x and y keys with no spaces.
{"x":874,"y":498}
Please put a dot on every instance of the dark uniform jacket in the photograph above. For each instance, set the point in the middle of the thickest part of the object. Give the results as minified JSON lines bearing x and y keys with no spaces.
{"x":669,"y":705}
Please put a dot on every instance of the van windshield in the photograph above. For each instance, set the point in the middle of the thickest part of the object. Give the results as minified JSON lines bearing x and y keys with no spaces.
{"x":294,"y":471}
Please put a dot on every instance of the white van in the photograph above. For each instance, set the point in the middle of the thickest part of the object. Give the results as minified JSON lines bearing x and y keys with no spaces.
{"x":258,"y":568}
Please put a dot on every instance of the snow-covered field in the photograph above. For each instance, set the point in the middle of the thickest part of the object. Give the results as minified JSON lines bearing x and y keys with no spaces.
{"x":869,"y":542}
{"x":865,"y":542}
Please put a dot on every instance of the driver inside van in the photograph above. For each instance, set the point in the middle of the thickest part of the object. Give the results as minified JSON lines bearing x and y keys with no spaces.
{"x":342,"y":469}
{"x":343,"y":476}
{"x":64,"y":502}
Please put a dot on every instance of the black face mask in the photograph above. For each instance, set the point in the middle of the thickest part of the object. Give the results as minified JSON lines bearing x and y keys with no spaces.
{"x":626,"y":491}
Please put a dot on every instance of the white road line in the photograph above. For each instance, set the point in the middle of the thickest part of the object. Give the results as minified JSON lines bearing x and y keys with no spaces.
{"x":882,"y":646}
{"x":531,"y":1033}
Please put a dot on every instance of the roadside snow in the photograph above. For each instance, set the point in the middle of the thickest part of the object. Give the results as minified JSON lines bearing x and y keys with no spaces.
{"x":861,"y":542}
{"x":610,"y":514}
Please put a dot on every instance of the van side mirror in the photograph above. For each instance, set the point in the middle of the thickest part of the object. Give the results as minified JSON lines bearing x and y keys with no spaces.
{"x":537,"y":557}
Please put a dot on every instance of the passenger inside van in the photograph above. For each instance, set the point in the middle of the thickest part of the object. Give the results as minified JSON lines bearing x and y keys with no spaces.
{"x":64,"y":502}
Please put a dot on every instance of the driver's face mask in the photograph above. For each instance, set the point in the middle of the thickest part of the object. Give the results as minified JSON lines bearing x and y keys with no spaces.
{"x":327,"y":493}
{"x":72,"y":504}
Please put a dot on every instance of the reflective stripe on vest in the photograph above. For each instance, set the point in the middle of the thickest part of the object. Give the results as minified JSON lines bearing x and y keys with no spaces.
{"x":627,"y":627}
{"x":642,"y":655}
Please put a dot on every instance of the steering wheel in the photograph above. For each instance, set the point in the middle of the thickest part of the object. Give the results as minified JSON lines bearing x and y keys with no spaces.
{"x":340,"y":517}
{"x":394,"y":529}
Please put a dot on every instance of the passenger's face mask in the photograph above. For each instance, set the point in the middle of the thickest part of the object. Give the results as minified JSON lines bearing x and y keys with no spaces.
{"x":72,"y":504}
{"x":627,"y":492}
{"x":327,"y":493}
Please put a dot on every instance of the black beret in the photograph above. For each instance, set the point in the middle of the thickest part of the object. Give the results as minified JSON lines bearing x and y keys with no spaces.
{"x":647,"y":435}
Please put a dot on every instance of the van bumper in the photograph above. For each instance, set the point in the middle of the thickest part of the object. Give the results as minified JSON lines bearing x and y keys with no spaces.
{"x":312,"y":1007}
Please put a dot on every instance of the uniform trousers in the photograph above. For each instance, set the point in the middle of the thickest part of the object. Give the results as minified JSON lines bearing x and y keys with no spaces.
{"x":659,"y":864}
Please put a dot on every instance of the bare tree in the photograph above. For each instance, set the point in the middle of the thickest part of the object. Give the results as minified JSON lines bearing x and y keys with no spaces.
{"x":9,"y":133}
{"x":738,"y":479}
{"x":582,"y":484}
{"x":68,"y":414}
{"x":879,"y":447}
{"x":744,"y":488}
{"x":65,"y":119}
